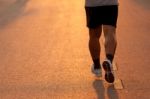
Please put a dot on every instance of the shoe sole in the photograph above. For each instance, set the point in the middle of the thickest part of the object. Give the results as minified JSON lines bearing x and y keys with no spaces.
{"x":109,"y":77}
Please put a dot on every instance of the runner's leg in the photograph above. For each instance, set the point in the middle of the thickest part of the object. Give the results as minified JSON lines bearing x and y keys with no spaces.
{"x":94,"y":44}
{"x":110,"y":41}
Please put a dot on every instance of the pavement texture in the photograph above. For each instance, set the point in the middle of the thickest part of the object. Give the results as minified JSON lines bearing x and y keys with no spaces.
{"x":44,"y":51}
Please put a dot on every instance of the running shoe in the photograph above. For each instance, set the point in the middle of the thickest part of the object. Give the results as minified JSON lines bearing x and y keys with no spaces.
{"x":109,"y":76}
{"x":97,"y":72}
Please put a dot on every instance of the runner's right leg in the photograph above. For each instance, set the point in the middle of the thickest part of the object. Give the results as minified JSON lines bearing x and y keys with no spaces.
{"x":110,"y":48}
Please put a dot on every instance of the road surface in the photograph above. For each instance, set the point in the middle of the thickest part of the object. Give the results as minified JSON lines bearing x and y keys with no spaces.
{"x":44,"y":51}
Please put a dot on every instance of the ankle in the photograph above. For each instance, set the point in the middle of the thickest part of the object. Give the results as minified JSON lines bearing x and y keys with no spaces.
{"x":96,"y":63}
{"x":110,"y":57}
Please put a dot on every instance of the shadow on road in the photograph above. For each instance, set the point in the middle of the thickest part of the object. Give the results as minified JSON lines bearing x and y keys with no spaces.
{"x":99,"y":88}
{"x":112,"y":93}
{"x":143,"y":3}
{"x":101,"y":91}
{"x":12,"y":12}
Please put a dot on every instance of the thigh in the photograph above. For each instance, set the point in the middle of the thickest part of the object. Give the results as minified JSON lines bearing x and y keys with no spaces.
{"x":110,"y":15}
{"x":92,"y":17}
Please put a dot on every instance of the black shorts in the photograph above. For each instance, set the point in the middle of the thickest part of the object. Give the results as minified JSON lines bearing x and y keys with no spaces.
{"x":101,"y":15}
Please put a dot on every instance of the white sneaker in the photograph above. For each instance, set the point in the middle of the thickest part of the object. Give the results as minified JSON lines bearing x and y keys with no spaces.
{"x":109,"y":76}
{"x":97,"y":72}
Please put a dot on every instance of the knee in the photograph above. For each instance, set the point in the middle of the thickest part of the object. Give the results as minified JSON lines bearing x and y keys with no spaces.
{"x":94,"y":34}
{"x":110,"y":34}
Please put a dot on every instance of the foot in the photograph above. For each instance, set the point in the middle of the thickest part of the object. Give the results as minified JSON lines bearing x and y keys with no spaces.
{"x":96,"y":71}
{"x":109,"y":76}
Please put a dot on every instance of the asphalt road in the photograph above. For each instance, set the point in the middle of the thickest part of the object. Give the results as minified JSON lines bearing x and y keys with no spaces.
{"x":44,"y":51}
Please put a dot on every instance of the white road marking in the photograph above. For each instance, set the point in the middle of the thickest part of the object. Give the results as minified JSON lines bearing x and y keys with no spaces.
{"x":118,"y":84}
{"x":115,"y":66}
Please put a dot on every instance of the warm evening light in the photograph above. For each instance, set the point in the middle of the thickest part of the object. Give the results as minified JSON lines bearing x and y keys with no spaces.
{"x":72,"y":49}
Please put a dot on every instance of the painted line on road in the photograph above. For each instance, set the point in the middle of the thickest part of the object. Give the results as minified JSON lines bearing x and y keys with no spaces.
{"x":118,"y":84}
{"x":115,"y":66}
